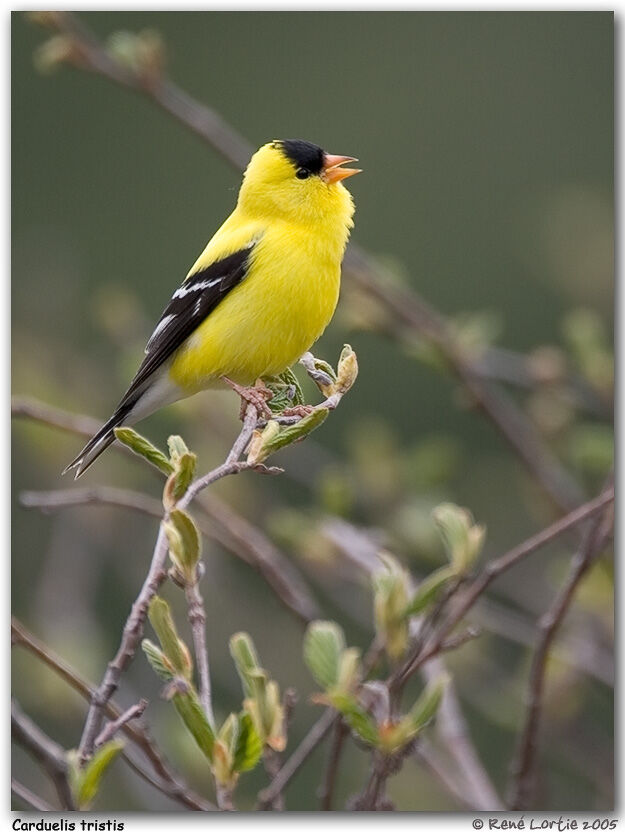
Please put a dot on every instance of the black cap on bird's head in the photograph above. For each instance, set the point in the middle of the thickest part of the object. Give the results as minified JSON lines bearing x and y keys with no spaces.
{"x":302,"y":154}
{"x":309,"y":159}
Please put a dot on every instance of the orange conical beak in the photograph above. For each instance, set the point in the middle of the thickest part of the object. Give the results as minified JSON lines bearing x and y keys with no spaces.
{"x":332,"y":173}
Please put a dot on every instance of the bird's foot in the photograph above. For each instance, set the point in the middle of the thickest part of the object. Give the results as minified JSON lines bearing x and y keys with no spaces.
{"x":300,"y":410}
{"x":257,"y":395}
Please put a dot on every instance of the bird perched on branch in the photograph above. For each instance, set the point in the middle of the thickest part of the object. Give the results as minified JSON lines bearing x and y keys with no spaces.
{"x":260,"y":294}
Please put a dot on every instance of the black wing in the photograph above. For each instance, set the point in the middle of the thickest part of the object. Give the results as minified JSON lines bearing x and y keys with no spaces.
{"x":189,"y":306}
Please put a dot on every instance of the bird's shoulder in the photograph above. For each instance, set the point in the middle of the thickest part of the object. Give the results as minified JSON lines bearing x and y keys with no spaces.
{"x":236,"y":234}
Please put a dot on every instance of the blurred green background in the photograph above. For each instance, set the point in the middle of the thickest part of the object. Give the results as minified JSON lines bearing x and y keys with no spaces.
{"x":486,"y":141}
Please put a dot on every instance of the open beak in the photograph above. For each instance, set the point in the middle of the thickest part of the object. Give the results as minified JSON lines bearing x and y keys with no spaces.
{"x":332,"y":173}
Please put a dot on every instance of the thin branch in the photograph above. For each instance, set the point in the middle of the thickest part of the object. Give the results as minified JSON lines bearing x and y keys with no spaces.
{"x":197,"y":620}
{"x":496,"y":568}
{"x":32,"y":799}
{"x":524,"y":777}
{"x":46,"y":751}
{"x":372,"y":797}
{"x":295,"y":762}
{"x":36,"y":410}
{"x":170,"y":786}
{"x":339,"y":736}
{"x":47,"y":501}
{"x":452,"y":643}
{"x":111,"y":728}
{"x":167,"y":782}
{"x":272,"y":764}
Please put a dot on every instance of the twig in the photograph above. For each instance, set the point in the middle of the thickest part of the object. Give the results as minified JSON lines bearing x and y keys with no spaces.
{"x":297,"y":759}
{"x":171,"y":787}
{"x":167,"y":782}
{"x":372,"y":795}
{"x":35,"y":410}
{"x":453,"y":643}
{"x":271,"y":761}
{"x":50,"y":754}
{"x":339,"y":737}
{"x":224,"y":798}
{"x":496,"y":568}
{"x":594,"y":541}
{"x":111,"y":728}
{"x":197,"y":620}
{"x":31,"y":798}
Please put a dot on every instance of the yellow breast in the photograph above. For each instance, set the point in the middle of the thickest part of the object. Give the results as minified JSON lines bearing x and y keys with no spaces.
{"x":273,"y":317}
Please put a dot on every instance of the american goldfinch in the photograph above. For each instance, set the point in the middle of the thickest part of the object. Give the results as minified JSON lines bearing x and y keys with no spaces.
{"x":260,"y":294}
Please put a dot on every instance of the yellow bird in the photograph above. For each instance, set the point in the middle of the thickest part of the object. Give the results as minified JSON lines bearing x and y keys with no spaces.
{"x":260,"y":294}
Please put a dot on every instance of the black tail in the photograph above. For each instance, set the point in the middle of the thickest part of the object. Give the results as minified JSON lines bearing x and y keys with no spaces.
{"x":100,"y":441}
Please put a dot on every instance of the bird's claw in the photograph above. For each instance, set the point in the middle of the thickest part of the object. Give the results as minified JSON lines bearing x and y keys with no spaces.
{"x":257,"y":395}
{"x":300,"y":410}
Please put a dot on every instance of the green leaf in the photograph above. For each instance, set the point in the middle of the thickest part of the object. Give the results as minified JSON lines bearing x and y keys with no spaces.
{"x":245,"y":658}
{"x":183,"y":463}
{"x":144,"y":448}
{"x":326,"y":368}
{"x":52,"y":53}
{"x":229,"y":733}
{"x":290,"y":378}
{"x":159,"y":614}
{"x":177,"y":448}
{"x":188,"y":707}
{"x":428,"y":703}
{"x":349,"y":670}
{"x":184,"y":543}
{"x":86,"y":781}
{"x":185,"y":471}
{"x":122,"y":47}
{"x":391,"y":586}
{"x":295,"y":432}
{"x":429,"y":589}
{"x":274,"y":437}
{"x":462,"y":538}
{"x":324,"y":642}
{"x":280,"y":400}
{"x":347,"y":370}
{"x":356,"y":717}
{"x":157,"y":659}
{"x":249,"y":746}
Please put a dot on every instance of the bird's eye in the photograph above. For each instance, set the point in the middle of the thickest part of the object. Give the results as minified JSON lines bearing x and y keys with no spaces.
{"x":302,"y":174}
